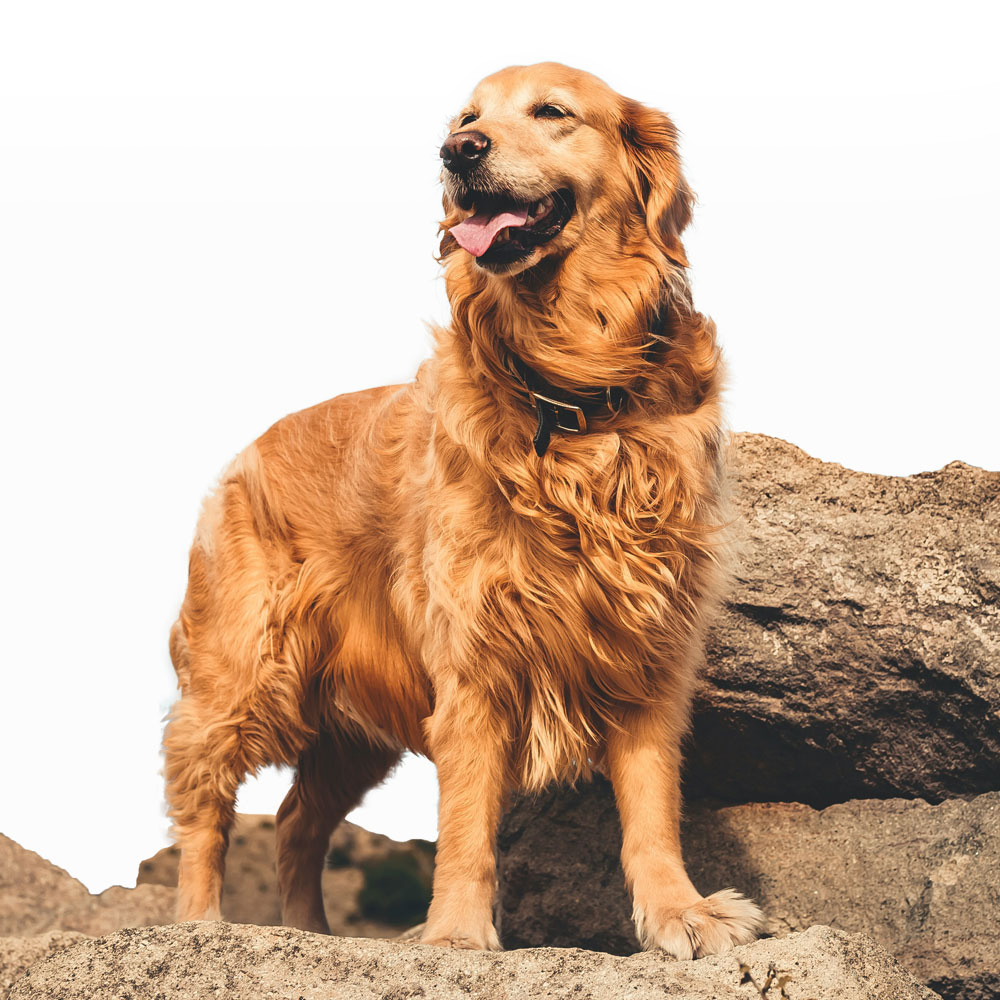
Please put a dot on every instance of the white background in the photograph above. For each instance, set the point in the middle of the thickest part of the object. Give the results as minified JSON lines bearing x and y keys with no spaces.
{"x":212,"y":214}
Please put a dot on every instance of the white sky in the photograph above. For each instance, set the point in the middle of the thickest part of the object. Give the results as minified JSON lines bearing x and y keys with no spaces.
{"x":212,"y":214}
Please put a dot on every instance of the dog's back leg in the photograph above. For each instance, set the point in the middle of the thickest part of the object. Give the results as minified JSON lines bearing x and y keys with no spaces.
{"x":333,"y":774}
{"x":204,"y":768}
{"x":243,"y":650}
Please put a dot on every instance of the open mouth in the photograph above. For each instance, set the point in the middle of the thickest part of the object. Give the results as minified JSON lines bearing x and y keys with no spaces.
{"x":503,"y":231}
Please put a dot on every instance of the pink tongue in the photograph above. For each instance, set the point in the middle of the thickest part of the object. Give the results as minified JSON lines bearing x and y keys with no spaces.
{"x":477,"y":234}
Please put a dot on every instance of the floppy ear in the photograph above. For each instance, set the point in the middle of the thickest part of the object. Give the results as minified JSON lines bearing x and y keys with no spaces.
{"x":650,"y":141}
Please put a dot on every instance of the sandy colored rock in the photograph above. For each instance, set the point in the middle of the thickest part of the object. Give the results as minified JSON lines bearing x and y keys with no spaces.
{"x":19,"y":953}
{"x":36,"y":896}
{"x":922,"y":880}
{"x":250,"y":890}
{"x":43,"y":908}
{"x":859,"y":653}
{"x":194,"y":961}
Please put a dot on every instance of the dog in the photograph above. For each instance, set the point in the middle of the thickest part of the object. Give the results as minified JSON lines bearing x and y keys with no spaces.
{"x":506,"y":565}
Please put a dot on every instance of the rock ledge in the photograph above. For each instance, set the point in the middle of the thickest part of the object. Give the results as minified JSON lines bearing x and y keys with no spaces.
{"x":188,"y":961}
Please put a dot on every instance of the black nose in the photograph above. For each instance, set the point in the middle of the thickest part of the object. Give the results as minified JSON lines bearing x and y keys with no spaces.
{"x":463,"y":150}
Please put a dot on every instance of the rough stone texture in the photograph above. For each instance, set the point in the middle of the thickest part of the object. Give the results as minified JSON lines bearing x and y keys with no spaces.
{"x":859,"y":652}
{"x":36,"y":896}
{"x":250,"y":891}
{"x":193,"y":961}
{"x":922,"y":880}
{"x":17,"y":954}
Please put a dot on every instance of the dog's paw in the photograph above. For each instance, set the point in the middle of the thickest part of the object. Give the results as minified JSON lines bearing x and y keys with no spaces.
{"x":712,"y":924}
{"x":457,"y":939}
{"x":481,"y":941}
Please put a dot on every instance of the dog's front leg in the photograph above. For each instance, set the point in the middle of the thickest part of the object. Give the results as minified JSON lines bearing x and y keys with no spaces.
{"x":669,"y":913}
{"x":468,"y":746}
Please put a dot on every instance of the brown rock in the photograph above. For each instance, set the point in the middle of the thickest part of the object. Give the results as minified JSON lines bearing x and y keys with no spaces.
{"x":193,"y":961}
{"x":250,"y":890}
{"x":36,"y":896}
{"x":18,"y":953}
{"x":922,"y":880}
{"x":859,"y":653}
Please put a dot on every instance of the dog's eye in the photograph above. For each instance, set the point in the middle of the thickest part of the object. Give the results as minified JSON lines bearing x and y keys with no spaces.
{"x":551,"y":111}
{"x":467,"y":120}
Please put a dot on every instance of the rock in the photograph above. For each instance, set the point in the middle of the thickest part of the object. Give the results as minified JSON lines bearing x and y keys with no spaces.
{"x":858,"y":655}
{"x":48,"y":909}
{"x":922,"y":880}
{"x":188,"y":961}
{"x":250,"y":890}
{"x":18,"y":953}
{"x":36,"y":896}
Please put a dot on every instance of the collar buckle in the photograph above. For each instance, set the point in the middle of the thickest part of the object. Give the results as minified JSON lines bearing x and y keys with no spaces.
{"x":557,"y":411}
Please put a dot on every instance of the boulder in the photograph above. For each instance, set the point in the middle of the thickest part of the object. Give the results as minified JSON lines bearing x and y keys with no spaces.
{"x":192,"y":961}
{"x":858,"y":654}
{"x":18,"y":953}
{"x":36,"y":896}
{"x":250,"y":890}
{"x":922,"y":880}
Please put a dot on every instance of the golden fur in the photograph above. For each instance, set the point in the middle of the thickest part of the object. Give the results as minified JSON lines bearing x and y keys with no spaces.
{"x":396,"y":569}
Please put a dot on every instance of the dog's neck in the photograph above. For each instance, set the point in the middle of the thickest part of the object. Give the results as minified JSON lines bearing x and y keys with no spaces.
{"x":558,"y":327}
{"x":579,"y":323}
{"x":582,"y":323}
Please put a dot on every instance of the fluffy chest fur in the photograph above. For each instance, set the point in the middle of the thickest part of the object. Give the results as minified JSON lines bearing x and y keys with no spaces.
{"x":571,"y":587}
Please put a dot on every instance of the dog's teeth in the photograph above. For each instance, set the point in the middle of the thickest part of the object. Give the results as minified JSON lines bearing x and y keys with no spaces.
{"x":540,"y":209}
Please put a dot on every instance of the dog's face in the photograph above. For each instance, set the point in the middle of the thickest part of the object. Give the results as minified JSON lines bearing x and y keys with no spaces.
{"x":544,"y":157}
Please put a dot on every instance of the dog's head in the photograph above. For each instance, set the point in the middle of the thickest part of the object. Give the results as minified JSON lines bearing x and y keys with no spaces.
{"x":544,"y":158}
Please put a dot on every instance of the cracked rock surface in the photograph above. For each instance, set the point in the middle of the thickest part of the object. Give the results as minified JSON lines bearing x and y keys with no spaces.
{"x":240,"y":962}
{"x":922,"y":880}
{"x":858,"y":655}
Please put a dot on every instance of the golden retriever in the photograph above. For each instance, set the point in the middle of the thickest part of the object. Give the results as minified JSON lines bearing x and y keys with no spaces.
{"x":507,"y":564}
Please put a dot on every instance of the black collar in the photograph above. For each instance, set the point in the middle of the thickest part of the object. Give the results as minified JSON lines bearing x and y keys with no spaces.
{"x":567,"y":411}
